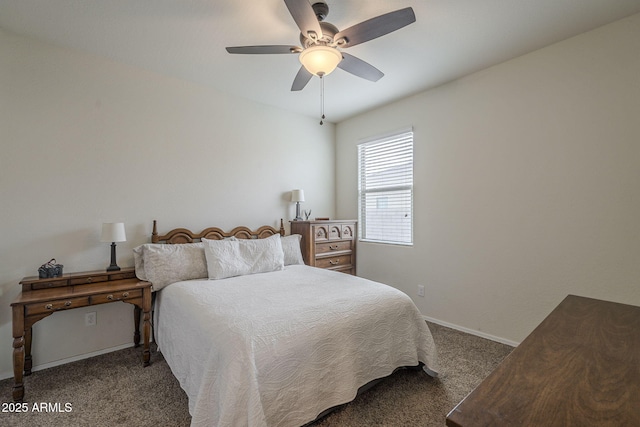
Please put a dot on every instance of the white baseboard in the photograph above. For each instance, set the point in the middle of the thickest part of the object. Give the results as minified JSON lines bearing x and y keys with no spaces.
{"x":472,"y":332}
{"x":5,"y":375}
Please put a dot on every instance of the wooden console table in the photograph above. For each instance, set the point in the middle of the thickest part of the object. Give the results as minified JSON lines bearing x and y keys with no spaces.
{"x":579,"y":367}
{"x":42,"y":297}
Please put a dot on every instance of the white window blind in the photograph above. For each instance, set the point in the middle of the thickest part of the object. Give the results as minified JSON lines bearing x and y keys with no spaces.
{"x":385,"y":189}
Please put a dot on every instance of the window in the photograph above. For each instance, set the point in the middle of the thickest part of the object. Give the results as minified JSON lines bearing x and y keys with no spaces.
{"x":385,"y":189}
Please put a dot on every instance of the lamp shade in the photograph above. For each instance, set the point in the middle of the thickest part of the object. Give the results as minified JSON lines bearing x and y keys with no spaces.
{"x":113,"y":232}
{"x":320,"y":60}
{"x":297,"y":195}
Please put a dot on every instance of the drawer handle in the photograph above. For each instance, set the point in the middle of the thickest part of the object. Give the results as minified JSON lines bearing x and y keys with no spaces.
{"x":109,"y":297}
{"x":89,"y":280}
{"x":126,"y":294}
{"x":336,"y":262}
{"x":50,"y":306}
{"x":334,"y":247}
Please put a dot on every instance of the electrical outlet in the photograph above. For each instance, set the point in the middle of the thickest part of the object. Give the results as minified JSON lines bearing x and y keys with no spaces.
{"x":420,"y":290}
{"x":90,"y":319}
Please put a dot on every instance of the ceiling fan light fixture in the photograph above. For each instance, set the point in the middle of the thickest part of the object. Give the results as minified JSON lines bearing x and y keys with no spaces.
{"x":320,"y":60}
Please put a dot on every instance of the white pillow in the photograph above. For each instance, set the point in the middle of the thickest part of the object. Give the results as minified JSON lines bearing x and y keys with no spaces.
{"x":139,"y":262}
{"x":229,"y":258}
{"x":291,"y":249}
{"x":163,"y":264}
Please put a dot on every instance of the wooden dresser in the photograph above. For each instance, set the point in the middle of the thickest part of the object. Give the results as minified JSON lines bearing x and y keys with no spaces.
{"x":328,"y":244}
{"x":579,"y":367}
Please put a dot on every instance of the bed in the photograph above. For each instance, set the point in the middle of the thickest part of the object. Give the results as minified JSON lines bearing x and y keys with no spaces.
{"x":271,"y":341}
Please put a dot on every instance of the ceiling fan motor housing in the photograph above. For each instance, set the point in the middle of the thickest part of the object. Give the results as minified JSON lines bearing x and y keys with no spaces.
{"x":321,"y":10}
{"x":328,"y":32}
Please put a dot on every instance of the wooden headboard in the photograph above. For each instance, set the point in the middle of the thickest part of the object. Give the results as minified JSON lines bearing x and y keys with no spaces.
{"x":183,"y":235}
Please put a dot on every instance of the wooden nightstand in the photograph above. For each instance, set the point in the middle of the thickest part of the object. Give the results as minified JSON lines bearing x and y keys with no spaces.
{"x":328,"y":244}
{"x":42,"y":297}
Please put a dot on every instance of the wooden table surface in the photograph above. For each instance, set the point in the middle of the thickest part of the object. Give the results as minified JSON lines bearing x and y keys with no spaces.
{"x":579,"y":367}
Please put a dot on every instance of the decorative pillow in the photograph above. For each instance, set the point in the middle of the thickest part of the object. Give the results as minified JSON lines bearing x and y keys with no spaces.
{"x":139,"y":262}
{"x":163,"y":264}
{"x":229,"y":258}
{"x":291,"y":249}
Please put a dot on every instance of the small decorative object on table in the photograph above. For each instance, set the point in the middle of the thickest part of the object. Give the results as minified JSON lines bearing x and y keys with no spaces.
{"x":50,"y":269}
{"x":307,"y":214}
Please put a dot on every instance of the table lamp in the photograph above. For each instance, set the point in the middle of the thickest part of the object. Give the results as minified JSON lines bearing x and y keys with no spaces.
{"x":297,"y":196}
{"x":113,"y":232}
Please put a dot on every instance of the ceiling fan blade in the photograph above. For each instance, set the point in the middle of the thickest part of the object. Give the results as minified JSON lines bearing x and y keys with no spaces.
{"x":376,"y":27}
{"x":301,"y":80}
{"x":305,"y":17}
{"x":264,"y":49}
{"x":359,"y":68}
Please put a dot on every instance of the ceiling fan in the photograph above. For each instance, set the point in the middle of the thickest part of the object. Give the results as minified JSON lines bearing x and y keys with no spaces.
{"x":321,"y":41}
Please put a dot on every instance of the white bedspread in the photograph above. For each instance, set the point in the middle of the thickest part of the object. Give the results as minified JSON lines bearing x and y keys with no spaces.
{"x":276,"y":349}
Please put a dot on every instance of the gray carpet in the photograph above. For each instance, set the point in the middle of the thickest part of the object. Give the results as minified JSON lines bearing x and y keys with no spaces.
{"x":115,"y":390}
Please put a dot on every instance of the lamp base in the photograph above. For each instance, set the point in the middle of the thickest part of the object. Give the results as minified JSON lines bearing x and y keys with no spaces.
{"x":113,"y":266}
{"x":298,"y":217}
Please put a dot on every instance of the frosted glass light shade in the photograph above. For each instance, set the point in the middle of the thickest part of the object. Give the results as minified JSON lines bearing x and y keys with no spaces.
{"x":297,"y":195}
{"x":113,"y":232}
{"x":320,"y":60}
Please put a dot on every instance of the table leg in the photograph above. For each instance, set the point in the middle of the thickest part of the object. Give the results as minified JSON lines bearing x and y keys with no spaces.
{"x":18,"y":352}
{"x":28,"y":361}
{"x":146,"y":354}
{"x":146,"y":309}
{"x":136,"y":322}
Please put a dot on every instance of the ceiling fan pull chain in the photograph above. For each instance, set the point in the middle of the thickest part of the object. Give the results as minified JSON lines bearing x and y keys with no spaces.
{"x":321,"y":100}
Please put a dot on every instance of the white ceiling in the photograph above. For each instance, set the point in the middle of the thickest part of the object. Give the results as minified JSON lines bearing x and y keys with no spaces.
{"x":186,"y":39}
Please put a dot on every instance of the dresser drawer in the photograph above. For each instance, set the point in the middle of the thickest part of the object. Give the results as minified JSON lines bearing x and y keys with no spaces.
{"x":49,"y":307}
{"x":334,"y":261}
{"x":328,"y":247}
{"x":335,"y":231}
{"x":348,"y":231}
{"x":49,"y":284}
{"x":89,"y":279}
{"x":122,"y":275}
{"x":347,"y":270}
{"x":321,"y":233}
{"x":116,"y":296}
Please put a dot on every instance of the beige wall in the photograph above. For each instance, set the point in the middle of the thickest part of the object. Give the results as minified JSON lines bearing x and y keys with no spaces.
{"x":526,"y":180}
{"x":84,"y":141}
{"x":526,"y":185}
